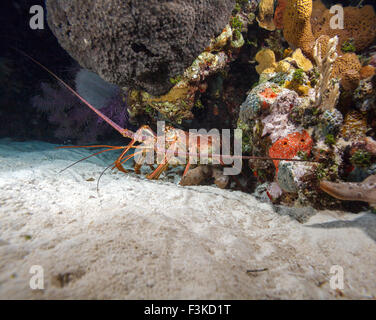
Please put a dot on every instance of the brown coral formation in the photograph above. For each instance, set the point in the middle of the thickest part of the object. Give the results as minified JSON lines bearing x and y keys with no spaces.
{"x":346,"y":63}
{"x":304,"y":21}
{"x":350,"y":79}
{"x":347,"y":68}
{"x":367,"y":72}
{"x":359,"y":25}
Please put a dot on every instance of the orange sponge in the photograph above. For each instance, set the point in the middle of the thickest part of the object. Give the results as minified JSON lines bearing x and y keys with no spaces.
{"x":290,"y":146}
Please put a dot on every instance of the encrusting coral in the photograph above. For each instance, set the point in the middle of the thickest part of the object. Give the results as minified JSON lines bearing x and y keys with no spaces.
{"x":354,"y":126}
{"x":177,"y":104}
{"x":277,"y":124}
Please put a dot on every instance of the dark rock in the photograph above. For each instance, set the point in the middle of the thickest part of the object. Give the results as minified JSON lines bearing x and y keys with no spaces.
{"x":137,"y":43}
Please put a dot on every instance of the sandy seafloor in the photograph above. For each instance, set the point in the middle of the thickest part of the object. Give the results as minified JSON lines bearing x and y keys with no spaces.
{"x":140,"y":239}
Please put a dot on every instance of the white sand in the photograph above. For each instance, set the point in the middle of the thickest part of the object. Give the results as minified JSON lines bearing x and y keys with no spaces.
{"x":141,"y":239}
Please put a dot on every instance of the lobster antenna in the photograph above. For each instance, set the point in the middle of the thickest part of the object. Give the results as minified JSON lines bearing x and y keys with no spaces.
{"x":122,"y":131}
{"x":83,"y":159}
{"x":102,"y":173}
{"x":220,"y":156}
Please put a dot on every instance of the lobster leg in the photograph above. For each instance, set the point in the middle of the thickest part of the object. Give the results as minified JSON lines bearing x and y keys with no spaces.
{"x":162,"y":167}
{"x":157,"y":172}
{"x":138,"y":164}
{"x":117,"y":163}
{"x":186,"y":169}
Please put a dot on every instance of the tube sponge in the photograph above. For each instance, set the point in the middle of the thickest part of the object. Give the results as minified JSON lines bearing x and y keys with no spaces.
{"x":297,"y":28}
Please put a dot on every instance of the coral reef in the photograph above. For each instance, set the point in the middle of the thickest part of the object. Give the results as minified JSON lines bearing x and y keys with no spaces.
{"x":296,"y":89}
{"x":305,"y":22}
{"x":295,"y":111}
{"x":359,"y":25}
{"x":268,"y":127}
{"x":140,"y":44}
{"x":177,"y":104}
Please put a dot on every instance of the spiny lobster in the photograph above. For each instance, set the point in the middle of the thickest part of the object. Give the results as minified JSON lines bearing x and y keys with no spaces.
{"x":149,"y":141}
